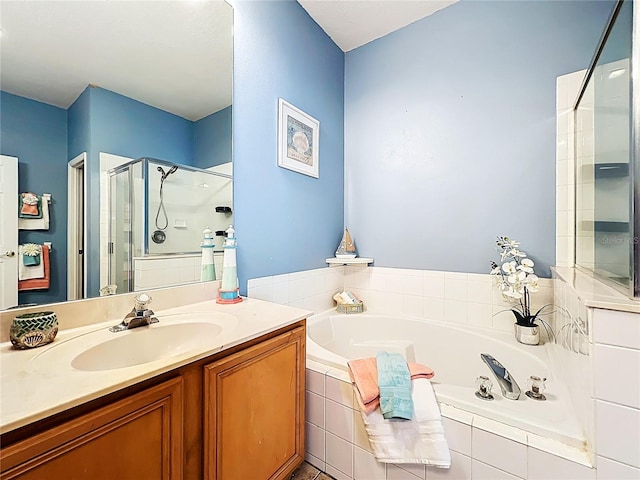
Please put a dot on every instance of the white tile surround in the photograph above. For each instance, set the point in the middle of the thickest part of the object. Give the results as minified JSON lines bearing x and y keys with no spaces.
{"x":170,"y":270}
{"x":567,"y":87}
{"x":460,"y":298}
{"x":607,"y":397}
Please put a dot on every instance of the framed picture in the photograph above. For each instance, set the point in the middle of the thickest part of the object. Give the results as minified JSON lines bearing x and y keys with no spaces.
{"x":298,"y":140}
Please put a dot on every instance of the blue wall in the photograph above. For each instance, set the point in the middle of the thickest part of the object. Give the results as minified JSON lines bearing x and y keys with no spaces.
{"x":212,"y":139}
{"x":36,"y":133}
{"x":285,"y":221}
{"x":121,"y":126}
{"x":450,"y":132}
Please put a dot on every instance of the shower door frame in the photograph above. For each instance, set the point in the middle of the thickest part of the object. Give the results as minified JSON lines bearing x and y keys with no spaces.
{"x":633,"y":290}
{"x":128,"y":168}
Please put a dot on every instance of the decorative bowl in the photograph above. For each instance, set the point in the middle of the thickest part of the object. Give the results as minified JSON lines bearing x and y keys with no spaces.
{"x":31,"y":330}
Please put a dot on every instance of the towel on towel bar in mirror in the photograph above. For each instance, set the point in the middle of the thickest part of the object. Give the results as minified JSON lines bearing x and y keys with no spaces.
{"x":32,"y":282}
{"x":37,"y":223}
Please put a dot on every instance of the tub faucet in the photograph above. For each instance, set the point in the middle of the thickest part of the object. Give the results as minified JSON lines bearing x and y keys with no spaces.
{"x":138,"y":316}
{"x":508,"y":385}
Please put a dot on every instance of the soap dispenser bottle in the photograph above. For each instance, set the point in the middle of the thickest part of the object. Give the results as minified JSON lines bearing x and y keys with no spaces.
{"x":229,"y":291}
{"x":207,"y":268}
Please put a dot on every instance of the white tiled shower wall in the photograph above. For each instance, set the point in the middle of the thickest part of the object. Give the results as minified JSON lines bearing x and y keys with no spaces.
{"x":170,"y":270}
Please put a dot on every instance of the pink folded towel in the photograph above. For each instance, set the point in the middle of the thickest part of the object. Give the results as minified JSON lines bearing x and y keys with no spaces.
{"x":364,"y":376}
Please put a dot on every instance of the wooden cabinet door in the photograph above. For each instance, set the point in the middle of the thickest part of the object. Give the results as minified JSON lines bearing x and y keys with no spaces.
{"x":138,"y":437}
{"x":254,"y":411}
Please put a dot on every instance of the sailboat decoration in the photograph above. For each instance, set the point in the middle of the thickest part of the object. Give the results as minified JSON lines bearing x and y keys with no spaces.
{"x":346,"y":249}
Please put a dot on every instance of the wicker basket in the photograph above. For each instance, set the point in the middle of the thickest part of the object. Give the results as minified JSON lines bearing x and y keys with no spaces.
{"x":350,"y":307}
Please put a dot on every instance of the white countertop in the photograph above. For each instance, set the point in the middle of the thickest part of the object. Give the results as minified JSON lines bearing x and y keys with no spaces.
{"x":39,"y":382}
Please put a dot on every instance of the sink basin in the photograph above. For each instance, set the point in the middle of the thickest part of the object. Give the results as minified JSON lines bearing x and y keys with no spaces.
{"x":141,"y":346}
{"x":100,"y":350}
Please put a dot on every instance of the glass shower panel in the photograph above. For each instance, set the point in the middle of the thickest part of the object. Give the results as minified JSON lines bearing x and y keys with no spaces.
{"x":181,"y":204}
{"x":602,"y":129}
{"x":120,"y":232}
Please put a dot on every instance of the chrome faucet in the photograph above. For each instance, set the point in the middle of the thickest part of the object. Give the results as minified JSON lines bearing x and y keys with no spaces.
{"x":508,"y":385}
{"x":139,"y":315}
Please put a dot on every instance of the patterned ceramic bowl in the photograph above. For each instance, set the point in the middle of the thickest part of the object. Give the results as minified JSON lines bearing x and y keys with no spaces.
{"x":33,"y":329}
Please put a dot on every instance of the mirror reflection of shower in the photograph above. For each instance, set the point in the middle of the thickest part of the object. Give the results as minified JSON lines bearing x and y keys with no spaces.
{"x":149,"y":199}
{"x":158,"y":235}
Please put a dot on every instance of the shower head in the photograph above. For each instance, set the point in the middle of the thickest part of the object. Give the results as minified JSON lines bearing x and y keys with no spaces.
{"x":173,"y":169}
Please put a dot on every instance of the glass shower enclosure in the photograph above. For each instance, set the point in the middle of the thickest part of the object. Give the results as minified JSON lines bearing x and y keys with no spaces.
{"x":606,"y":145}
{"x":157,"y":208}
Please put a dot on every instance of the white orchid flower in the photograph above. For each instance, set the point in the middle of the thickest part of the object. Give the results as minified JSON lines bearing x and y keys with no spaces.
{"x":509,"y":267}
{"x":525,"y":268}
{"x":527,"y":262}
{"x":512,"y":294}
{"x":517,"y":277}
{"x":532,"y":283}
{"x":517,"y":253}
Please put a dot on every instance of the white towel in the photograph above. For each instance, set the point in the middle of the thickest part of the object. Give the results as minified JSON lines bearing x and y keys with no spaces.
{"x":420,"y":440}
{"x":27,"y":273}
{"x":37,"y":223}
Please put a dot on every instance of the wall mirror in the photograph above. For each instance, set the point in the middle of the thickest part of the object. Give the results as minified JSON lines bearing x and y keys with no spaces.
{"x":90,"y":87}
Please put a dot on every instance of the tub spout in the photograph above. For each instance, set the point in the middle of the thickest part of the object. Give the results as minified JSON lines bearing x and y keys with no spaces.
{"x":508,"y":385}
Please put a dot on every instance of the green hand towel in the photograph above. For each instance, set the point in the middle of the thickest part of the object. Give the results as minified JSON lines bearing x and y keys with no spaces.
{"x":394,"y":382}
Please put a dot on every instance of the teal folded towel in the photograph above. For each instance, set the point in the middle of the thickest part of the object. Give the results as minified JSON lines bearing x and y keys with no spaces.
{"x":31,"y":260}
{"x":394,"y":382}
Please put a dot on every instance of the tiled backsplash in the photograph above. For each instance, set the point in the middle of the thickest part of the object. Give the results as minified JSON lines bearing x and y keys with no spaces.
{"x":311,"y":289}
{"x":466,"y":298}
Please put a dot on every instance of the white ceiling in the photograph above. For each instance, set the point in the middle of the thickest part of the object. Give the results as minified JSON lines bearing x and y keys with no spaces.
{"x":353,"y":23}
{"x":174,"y":55}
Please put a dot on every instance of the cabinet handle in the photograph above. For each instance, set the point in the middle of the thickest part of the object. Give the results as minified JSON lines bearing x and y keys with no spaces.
{"x":8,"y":254}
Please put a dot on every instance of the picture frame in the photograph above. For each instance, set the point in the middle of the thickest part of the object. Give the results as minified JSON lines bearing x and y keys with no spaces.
{"x":298,"y":140}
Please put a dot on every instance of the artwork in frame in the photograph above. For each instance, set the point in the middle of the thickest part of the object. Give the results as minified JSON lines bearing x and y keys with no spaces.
{"x":298,"y":140}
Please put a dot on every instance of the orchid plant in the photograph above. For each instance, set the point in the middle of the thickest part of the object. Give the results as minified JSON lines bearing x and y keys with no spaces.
{"x":516,"y":280}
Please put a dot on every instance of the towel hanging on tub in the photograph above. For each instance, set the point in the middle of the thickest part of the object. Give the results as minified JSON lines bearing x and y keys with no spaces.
{"x":420,"y":440}
{"x":32,"y":282}
{"x":364,"y":377}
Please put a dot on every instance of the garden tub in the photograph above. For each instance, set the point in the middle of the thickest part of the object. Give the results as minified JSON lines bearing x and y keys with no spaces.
{"x":454,"y":354}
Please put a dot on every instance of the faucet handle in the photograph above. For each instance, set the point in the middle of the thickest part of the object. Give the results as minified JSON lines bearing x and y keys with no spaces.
{"x":484,"y":385}
{"x":141,"y":302}
{"x":536,"y":388}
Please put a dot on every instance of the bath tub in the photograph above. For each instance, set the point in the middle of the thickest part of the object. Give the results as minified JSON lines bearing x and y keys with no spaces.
{"x":454,"y":353}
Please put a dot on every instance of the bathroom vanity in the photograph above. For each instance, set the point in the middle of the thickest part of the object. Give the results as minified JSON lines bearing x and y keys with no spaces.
{"x":234,"y":411}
